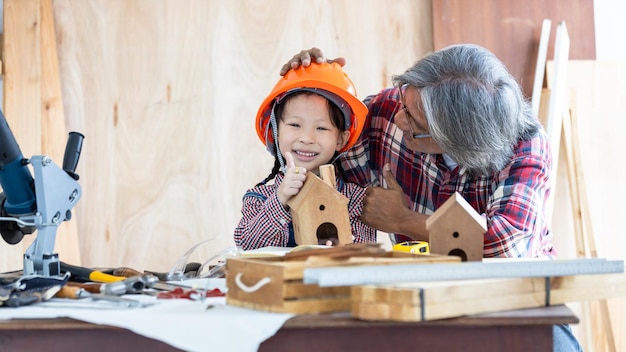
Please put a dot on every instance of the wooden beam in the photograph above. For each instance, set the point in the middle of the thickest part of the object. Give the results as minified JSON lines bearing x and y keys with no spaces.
{"x":447,"y":299}
{"x":540,"y":68}
{"x":557,"y":105}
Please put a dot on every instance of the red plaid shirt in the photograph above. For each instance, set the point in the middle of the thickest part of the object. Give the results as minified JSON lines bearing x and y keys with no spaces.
{"x":265,"y":222}
{"x":512,"y":200}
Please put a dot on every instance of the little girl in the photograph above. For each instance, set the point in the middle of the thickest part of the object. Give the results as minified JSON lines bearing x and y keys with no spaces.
{"x":311,"y":116}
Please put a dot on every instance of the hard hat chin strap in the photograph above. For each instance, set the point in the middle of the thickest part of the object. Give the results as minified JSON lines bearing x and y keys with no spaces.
{"x":339,"y":155}
{"x":274,"y":127}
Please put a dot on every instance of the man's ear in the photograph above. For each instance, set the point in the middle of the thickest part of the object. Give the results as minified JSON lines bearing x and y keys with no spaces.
{"x":342,"y":140}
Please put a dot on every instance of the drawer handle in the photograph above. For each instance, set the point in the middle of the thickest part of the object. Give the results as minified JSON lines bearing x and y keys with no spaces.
{"x":264,"y":281}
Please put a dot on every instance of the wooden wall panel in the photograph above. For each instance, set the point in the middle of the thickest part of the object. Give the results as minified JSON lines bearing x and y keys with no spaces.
{"x":22,"y":72}
{"x":511,"y":29}
{"x":33,"y":105}
{"x":166,"y":93}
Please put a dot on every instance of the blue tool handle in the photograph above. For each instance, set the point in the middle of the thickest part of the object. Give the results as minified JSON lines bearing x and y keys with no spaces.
{"x":15,"y":177}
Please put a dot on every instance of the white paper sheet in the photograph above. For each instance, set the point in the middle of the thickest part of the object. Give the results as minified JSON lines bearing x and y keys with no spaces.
{"x":182,"y":323}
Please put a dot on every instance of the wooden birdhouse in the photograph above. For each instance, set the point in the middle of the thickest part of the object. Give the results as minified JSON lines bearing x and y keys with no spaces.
{"x":457,"y":229}
{"x":320,"y":212}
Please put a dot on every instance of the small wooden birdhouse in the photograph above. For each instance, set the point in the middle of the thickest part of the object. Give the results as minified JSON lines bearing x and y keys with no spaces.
{"x":457,"y":229}
{"x":320,"y":212}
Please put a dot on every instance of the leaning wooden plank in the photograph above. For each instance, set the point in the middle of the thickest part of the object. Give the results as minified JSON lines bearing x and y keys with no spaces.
{"x":540,"y":68}
{"x":557,"y":104}
{"x":575,"y":192}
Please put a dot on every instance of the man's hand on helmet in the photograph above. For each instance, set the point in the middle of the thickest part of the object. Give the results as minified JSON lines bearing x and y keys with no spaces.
{"x":304,"y":58}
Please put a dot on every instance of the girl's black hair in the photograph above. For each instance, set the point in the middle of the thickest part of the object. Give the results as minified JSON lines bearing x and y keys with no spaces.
{"x":337,"y":119}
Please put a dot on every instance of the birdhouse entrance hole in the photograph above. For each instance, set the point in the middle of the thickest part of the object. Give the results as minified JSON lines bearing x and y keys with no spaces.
{"x":326,"y":232}
{"x":459,"y":253}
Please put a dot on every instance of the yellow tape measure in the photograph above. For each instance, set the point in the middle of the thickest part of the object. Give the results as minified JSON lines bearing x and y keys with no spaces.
{"x":419,"y":247}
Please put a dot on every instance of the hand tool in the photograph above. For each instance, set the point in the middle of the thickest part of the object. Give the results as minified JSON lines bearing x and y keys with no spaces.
{"x":86,"y":274}
{"x":30,"y":290}
{"x":418,"y":247}
{"x":41,"y":204}
{"x":126,"y":272}
{"x":188,"y":271}
{"x":73,"y":292}
{"x":135,"y":284}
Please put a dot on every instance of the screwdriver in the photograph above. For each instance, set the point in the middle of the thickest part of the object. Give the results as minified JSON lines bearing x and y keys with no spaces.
{"x":134,"y":284}
{"x":73,"y":292}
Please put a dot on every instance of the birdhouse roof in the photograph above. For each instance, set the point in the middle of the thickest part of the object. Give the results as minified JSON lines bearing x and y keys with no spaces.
{"x":313,"y":190}
{"x":454,"y":207}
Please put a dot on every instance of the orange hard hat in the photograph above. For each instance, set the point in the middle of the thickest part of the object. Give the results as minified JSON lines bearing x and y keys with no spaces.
{"x":327,"y":80}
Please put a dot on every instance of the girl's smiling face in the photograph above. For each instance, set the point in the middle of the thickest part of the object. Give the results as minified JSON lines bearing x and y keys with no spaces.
{"x":306,"y":130}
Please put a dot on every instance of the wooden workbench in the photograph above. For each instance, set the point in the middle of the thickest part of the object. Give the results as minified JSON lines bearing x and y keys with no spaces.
{"x":521,"y":330}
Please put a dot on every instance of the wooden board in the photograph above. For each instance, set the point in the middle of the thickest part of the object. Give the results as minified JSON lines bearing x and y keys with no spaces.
{"x":447,"y":299}
{"x":511,"y":29}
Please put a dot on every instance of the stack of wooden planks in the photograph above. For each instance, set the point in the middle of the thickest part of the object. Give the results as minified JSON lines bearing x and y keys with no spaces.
{"x":378,"y":285}
{"x":447,"y":299}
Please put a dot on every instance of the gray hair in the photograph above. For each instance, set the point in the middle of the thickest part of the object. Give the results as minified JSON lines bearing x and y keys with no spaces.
{"x":474,"y":108}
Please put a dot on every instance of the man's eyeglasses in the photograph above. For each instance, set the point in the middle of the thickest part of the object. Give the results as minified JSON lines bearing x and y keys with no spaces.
{"x":409,"y":116}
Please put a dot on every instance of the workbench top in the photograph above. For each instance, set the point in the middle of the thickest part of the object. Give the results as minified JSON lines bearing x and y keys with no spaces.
{"x":518,"y":330}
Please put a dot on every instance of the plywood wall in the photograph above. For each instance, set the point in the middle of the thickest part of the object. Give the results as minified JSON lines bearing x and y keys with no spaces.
{"x":166,"y":93}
